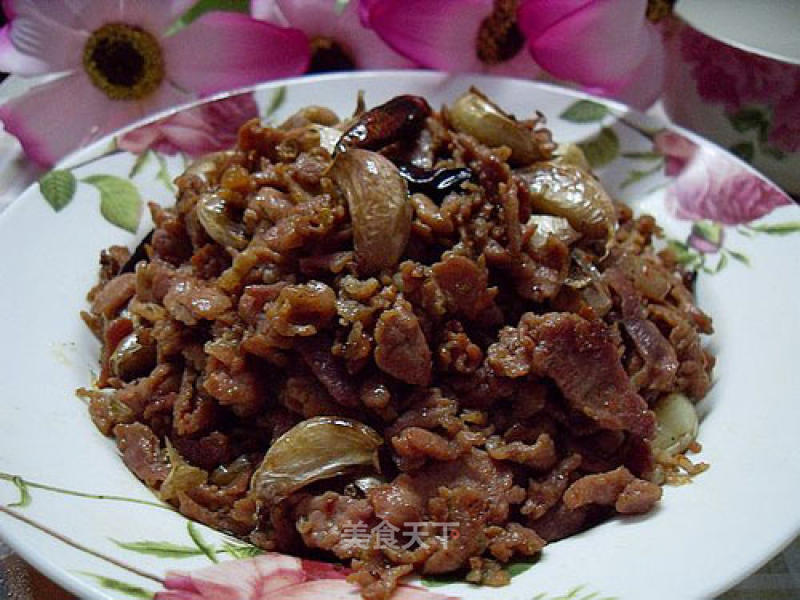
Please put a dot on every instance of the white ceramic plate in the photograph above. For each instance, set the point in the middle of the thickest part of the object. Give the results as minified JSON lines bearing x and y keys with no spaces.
{"x":742,"y":232}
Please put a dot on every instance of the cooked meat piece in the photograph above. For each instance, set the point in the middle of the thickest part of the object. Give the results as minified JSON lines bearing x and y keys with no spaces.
{"x":601,"y":488}
{"x":638,"y":497}
{"x":541,"y":456}
{"x":660,"y":361}
{"x":329,"y":370}
{"x":141,"y":451}
{"x":560,"y":522}
{"x":545,"y":493}
{"x":189,"y":300}
{"x":465,"y":285}
{"x":324,"y":522}
{"x":114,"y":295}
{"x":400,"y":346}
{"x":580,"y":356}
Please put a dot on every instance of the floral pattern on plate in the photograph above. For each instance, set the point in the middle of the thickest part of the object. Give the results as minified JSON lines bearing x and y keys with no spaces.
{"x":170,"y":555}
{"x":705,"y":185}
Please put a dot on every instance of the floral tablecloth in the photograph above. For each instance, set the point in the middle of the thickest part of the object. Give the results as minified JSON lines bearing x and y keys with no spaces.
{"x":779,"y":579}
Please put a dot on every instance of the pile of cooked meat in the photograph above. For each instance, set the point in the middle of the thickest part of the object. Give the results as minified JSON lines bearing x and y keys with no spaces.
{"x":346,"y":330}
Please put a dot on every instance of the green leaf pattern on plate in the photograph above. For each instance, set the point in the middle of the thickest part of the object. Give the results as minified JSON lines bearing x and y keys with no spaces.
{"x":278,"y":98}
{"x":115,"y":585}
{"x":163,"y":172}
{"x":28,"y":484}
{"x":636,"y":175}
{"x":58,"y":188}
{"x":688,"y":257}
{"x":240,"y":550}
{"x":750,"y":118}
{"x":739,"y":256}
{"x":201,"y":544}
{"x":602,"y":148}
{"x":24,"y":493}
{"x":584,"y":111}
{"x":708,"y":231}
{"x":754,"y":122}
{"x":721,"y":263}
{"x":160,"y":549}
{"x":120,"y":202}
{"x":778,"y":228}
{"x":519,"y":568}
{"x":141,"y":161}
{"x":576,"y":593}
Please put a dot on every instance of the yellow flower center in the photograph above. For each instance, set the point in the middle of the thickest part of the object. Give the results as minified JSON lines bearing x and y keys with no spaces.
{"x":659,"y":9}
{"x":124,"y":61}
{"x":499,"y":37}
{"x":328,"y":55}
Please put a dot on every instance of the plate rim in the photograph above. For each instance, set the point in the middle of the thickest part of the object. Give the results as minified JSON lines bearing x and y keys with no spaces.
{"x":89,"y":154}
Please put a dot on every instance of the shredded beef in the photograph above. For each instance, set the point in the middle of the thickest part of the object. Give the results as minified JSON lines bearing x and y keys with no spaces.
{"x":464,"y":284}
{"x":329,"y":370}
{"x":189,"y":301}
{"x":540,"y":456}
{"x":141,"y":451}
{"x":400,"y":346}
{"x":638,"y":497}
{"x":560,"y":522}
{"x":602,"y":488}
{"x":660,"y":361}
{"x":324,"y":519}
{"x":502,"y":373}
{"x":111,"y":297}
{"x":580,"y":356}
{"x":545,"y":493}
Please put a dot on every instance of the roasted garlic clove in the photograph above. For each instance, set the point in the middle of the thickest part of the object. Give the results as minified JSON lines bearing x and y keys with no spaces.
{"x":213,"y":216}
{"x":377,"y":198}
{"x":210,"y":167}
{"x":677,"y":424}
{"x":475,"y":114}
{"x":569,"y":192}
{"x":547,"y":225}
{"x":570,"y":154}
{"x":318,"y":448}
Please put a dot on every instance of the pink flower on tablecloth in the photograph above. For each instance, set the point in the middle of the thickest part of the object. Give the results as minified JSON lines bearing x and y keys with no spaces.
{"x":274,"y":577}
{"x":338,"y":39}
{"x":731,"y":76}
{"x":608,"y":46}
{"x":114,"y":62}
{"x":709,"y":184}
{"x":205,"y":128}
{"x":785,"y":131}
{"x":458,"y":36}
